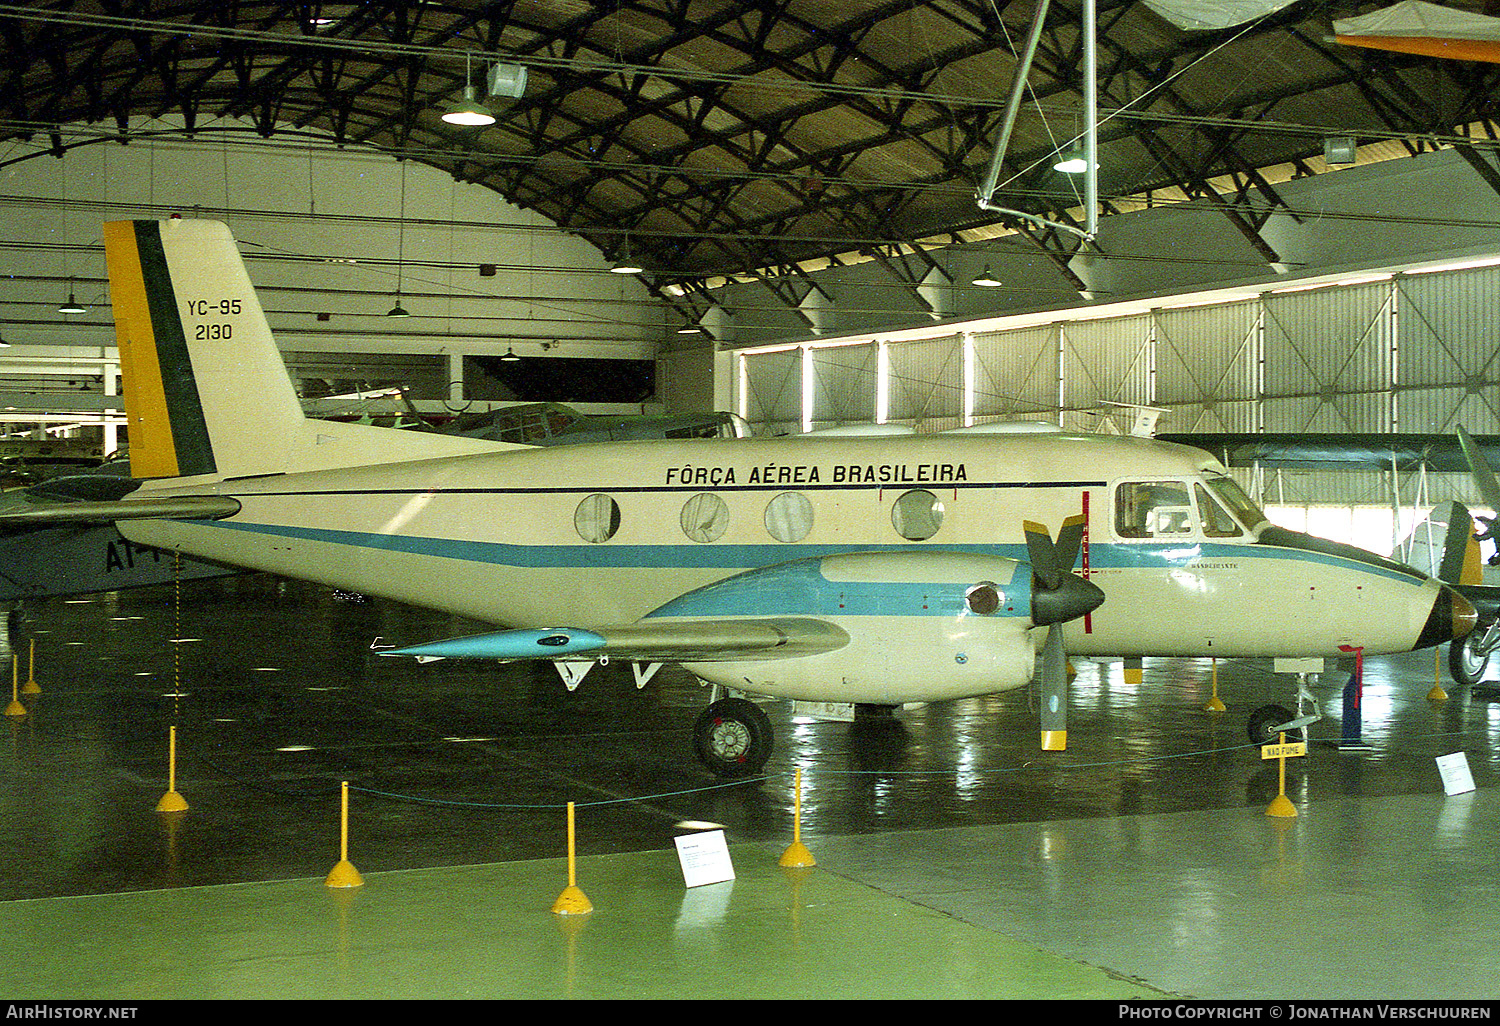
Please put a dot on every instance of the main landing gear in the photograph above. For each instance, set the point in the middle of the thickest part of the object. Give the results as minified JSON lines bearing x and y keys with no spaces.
{"x":1469,"y":657}
{"x":733,"y":737}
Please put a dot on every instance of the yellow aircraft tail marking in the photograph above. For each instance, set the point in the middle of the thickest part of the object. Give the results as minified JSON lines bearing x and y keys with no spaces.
{"x":168,"y":436}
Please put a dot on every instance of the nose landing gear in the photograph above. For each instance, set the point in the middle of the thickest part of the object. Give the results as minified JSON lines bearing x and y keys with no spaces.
{"x":1270,"y":721}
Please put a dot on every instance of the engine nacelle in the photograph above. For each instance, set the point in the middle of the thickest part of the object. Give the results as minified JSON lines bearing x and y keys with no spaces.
{"x":922,"y":626}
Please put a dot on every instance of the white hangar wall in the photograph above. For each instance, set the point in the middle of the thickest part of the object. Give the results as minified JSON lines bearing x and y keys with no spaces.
{"x":325,"y":241}
{"x":1407,"y":352}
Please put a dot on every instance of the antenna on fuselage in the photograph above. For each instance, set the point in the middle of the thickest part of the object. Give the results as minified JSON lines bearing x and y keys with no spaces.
{"x":1143,"y":421}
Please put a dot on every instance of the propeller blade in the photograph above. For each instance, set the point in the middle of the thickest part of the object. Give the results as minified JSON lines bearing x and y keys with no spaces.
{"x":1069,"y":540}
{"x":1054,"y":692}
{"x":1058,"y":595}
{"x":1484,"y":477}
{"x":1042,"y":554}
{"x":1460,"y":558}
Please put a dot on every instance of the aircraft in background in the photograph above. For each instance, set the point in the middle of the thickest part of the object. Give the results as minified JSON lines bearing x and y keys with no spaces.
{"x":58,"y":537}
{"x":872,"y":570}
{"x":1468,"y":658}
{"x":558,"y":424}
{"x":1450,"y":536}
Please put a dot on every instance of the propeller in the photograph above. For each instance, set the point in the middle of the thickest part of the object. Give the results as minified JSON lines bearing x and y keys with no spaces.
{"x":1057,"y":596}
{"x":1484,"y":477}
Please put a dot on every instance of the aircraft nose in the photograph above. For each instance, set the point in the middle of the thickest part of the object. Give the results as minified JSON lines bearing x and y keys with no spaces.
{"x":1072,"y":597}
{"x":1452,"y":617}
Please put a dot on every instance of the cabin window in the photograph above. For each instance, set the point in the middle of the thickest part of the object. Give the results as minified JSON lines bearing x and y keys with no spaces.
{"x":705,"y":517}
{"x":789,"y":517}
{"x":597,"y":518}
{"x":983,"y":598}
{"x":1217,"y":523}
{"x":916,"y":515}
{"x":1153,"y":509}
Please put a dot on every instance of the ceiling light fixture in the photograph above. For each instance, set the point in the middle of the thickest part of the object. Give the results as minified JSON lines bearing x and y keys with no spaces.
{"x":72,"y":306}
{"x":987,"y":280}
{"x":510,"y":356}
{"x":626,"y":264}
{"x":1072,"y":162}
{"x":468,"y":112}
{"x":398,"y":310}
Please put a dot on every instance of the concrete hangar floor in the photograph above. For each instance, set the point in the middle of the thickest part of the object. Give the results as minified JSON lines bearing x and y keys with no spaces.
{"x":954,"y":860}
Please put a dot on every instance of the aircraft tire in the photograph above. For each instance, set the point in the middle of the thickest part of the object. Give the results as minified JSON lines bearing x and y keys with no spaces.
{"x":1464,"y":664}
{"x":733,"y":737}
{"x":1263,"y":719}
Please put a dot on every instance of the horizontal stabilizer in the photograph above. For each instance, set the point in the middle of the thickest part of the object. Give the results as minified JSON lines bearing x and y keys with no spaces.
{"x":697,"y":641}
{"x":181,"y":507}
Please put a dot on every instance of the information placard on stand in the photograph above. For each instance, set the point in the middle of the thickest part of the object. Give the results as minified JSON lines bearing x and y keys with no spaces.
{"x":1455,"y":772}
{"x":704,"y":857}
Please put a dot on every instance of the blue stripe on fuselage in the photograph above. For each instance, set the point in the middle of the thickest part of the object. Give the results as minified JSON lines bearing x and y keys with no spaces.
{"x":687,"y":555}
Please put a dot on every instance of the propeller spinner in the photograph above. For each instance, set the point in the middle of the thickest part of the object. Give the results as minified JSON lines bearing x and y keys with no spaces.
{"x":1058,"y":595}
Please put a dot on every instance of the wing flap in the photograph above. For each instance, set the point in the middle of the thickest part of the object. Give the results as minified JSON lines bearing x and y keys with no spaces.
{"x":654,"y":640}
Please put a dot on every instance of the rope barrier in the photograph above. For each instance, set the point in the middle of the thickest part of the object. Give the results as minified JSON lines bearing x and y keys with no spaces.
{"x":780,"y":776}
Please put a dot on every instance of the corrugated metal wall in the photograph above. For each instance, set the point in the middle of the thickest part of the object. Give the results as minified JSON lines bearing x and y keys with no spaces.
{"x":1017,"y":375}
{"x":843,"y":385}
{"x":1409,"y":353}
{"x":927,"y":383}
{"x":1207,"y":367}
{"x":770,"y":392}
{"x":1447,"y":341}
{"x":1328,"y":359}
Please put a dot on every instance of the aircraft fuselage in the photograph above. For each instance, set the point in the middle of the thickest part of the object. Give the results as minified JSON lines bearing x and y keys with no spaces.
{"x":606,"y":533}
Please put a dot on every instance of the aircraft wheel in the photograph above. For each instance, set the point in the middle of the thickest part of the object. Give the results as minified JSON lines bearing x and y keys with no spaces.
{"x":1266,"y":717}
{"x":733,"y":737}
{"x":1465,"y":663}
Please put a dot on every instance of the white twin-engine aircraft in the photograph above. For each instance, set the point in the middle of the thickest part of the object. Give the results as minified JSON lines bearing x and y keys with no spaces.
{"x":879,"y":570}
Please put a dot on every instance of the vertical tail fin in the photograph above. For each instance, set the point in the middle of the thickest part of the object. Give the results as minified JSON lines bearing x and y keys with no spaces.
{"x":206,"y":391}
{"x":207,"y":394}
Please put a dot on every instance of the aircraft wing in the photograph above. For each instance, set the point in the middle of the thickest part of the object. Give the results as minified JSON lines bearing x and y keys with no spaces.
{"x":56,"y":514}
{"x":1338,"y":451}
{"x":684,"y":641}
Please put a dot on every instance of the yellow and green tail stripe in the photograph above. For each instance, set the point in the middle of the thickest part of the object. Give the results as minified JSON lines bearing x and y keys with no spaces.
{"x":167,"y":432}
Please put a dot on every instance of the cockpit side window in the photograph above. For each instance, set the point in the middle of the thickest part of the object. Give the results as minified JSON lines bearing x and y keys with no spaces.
{"x":1240,"y":504}
{"x":1217,"y":523}
{"x":1153,"y":509}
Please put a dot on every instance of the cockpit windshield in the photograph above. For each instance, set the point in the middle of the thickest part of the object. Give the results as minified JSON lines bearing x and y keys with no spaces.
{"x":1163,"y":508}
{"x":1229,"y":493}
